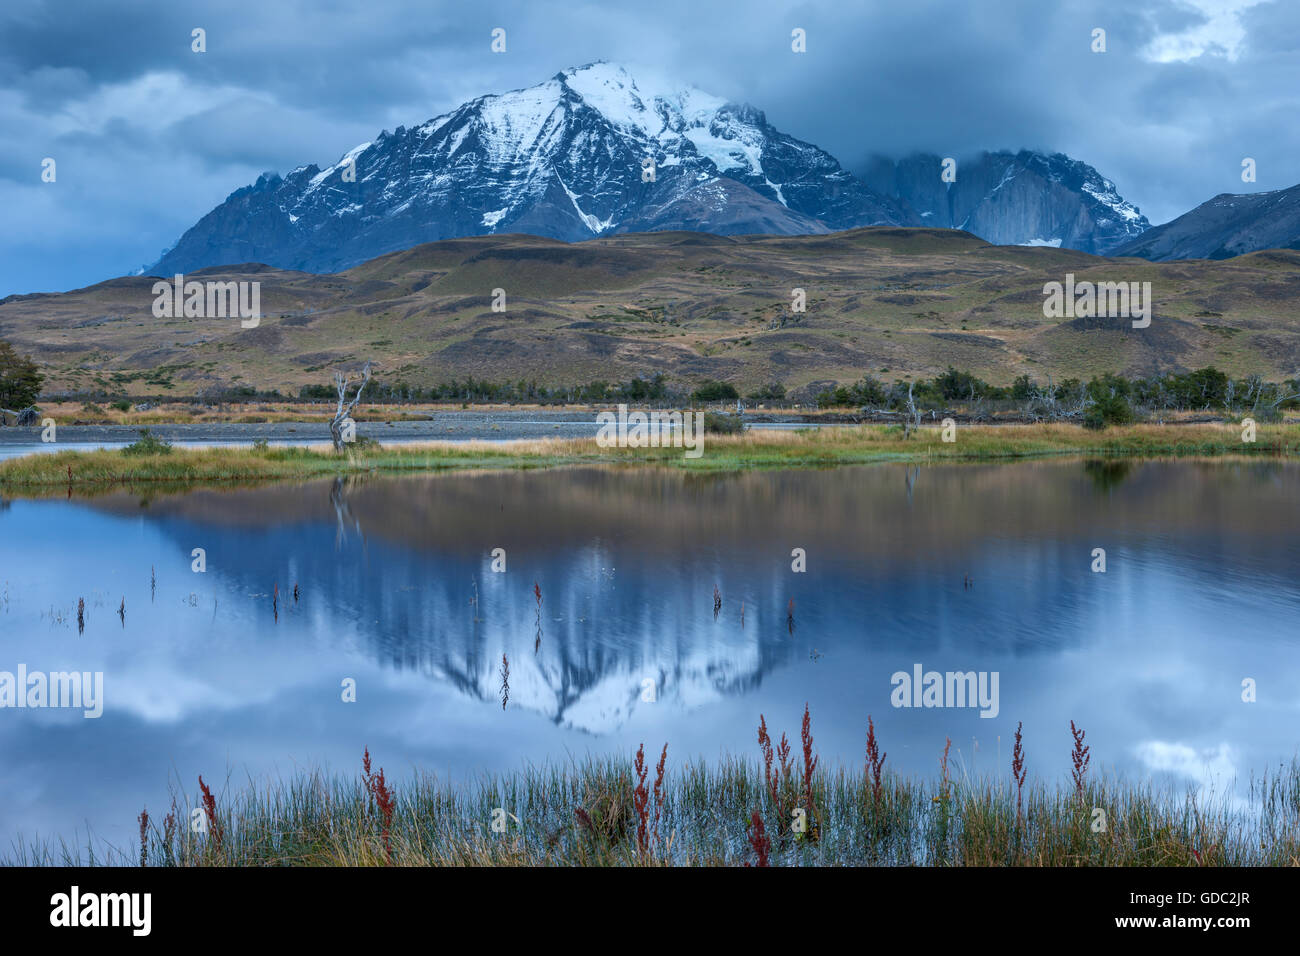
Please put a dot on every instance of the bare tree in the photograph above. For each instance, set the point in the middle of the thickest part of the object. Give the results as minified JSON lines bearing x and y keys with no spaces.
{"x":1270,"y":398}
{"x":343,"y":383}
{"x":913,"y":413}
{"x":1045,"y":404}
{"x":24,"y":416}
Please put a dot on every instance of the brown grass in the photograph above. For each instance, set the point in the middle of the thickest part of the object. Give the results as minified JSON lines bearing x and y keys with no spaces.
{"x":89,"y":471}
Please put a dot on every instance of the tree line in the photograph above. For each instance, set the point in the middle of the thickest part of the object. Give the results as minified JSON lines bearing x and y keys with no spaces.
{"x":1102,"y":400}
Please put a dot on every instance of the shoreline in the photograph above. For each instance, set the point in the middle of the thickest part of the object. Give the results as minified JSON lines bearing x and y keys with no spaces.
{"x":449,"y":427}
{"x":106,"y":469}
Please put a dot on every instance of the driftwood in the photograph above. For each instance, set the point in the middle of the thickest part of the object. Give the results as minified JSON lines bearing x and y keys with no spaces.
{"x":26,"y":416}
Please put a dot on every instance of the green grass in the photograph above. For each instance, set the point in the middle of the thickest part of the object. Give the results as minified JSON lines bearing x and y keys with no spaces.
{"x":584,"y":814}
{"x":103,"y":470}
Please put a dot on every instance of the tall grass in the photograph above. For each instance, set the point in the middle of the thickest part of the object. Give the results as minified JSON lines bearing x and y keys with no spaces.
{"x":88,"y":472}
{"x":599,"y":812}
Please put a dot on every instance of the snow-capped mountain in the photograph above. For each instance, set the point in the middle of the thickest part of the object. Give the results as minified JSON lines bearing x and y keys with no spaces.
{"x":566,"y":159}
{"x":1024,"y":198}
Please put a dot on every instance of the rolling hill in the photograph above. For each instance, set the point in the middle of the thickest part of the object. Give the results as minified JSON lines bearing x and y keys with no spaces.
{"x":887,"y":301}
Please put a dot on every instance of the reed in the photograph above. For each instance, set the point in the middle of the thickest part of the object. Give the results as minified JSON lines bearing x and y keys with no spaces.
{"x":1018,"y":770}
{"x":143,"y":820}
{"x":875,"y":760}
{"x":214,"y":827}
{"x":382,"y":799}
{"x":809,"y":769}
{"x":589,"y":813}
{"x":659,"y":791}
{"x":1079,"y":758}
{"x":168,"y":838}
{"x":765,"y":748}
{"x":758,"y":840}
{"x":641,"y":802}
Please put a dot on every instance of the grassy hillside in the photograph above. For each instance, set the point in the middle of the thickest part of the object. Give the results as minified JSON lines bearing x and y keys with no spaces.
{"x":885,"y":301}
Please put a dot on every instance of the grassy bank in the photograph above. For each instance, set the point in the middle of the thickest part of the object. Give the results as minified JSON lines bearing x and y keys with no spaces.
{"x":649,"y":811}
{"x":97,"y":470}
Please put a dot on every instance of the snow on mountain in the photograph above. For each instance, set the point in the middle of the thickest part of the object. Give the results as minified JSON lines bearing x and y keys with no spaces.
{"x":566,"y":159}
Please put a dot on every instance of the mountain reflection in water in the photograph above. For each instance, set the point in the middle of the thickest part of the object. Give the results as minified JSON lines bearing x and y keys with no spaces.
{"x":955,"y":568}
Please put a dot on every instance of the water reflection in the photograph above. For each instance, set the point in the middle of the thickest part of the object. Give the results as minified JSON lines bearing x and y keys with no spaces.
{"x":1107,"y":473}
{"x":606,"y":626}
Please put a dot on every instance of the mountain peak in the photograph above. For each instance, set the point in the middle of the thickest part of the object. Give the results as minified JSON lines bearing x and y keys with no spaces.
{"x":643,"y":100}
{"x":1026,"y":197}
{"x":597,"y":149}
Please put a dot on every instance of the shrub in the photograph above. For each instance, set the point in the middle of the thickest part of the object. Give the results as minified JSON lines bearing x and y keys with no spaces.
{"x":148,"y":444}
{"x":869,"y":391}
{"x":712,"y":391}
{"x":640,"y":390}
{"x":953,"y":385}
{"x":770,"y":393}
{"x":832,"y":398}
{"x":1108,"y":410}
{"x":716,"y":424}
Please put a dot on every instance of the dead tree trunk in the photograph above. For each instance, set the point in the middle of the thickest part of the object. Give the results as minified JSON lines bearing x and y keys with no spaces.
{"x":913,"y":413}
{"x":1272,"y":409}
{"x":343,"y":383}
{"x":22,"y":417}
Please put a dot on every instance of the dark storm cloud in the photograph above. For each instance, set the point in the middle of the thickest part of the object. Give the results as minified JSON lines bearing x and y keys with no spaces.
{"x":149,"y":136}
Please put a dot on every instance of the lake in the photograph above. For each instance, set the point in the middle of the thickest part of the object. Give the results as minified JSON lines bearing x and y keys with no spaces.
{"x":961,"y":568}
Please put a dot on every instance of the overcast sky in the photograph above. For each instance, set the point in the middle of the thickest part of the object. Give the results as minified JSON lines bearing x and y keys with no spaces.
{"x":148,"y":136}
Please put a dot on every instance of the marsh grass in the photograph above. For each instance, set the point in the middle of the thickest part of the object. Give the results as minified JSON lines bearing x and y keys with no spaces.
{"x":88,"y":472}
{"x":586,"y":814}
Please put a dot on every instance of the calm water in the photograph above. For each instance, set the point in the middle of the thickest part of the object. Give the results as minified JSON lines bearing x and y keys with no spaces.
{"x":398,"y":593}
